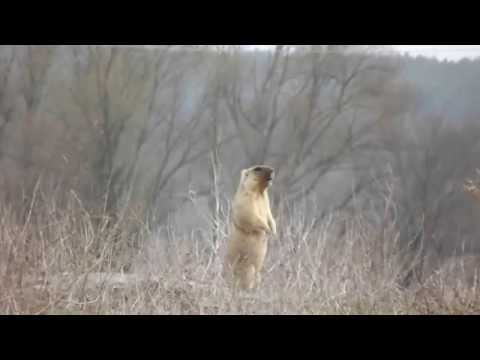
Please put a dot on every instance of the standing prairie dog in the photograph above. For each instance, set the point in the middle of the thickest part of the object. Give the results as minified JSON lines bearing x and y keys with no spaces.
{"x":252,"y":222}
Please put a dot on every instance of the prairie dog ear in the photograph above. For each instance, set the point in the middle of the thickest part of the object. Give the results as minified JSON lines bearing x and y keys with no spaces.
{"x":243,"y":176}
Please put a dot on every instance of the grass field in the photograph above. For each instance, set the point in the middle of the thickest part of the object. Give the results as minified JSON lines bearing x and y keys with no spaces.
{"x":73,"y":262}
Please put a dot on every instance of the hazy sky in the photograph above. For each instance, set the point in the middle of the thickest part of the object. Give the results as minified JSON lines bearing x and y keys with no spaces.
{"x":450,"y":52}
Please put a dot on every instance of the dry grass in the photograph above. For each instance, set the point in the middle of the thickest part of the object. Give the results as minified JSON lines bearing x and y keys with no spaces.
{"x":69,"y":261}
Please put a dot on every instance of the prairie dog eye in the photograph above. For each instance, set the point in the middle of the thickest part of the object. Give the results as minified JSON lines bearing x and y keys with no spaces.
{"x":257,"y":169}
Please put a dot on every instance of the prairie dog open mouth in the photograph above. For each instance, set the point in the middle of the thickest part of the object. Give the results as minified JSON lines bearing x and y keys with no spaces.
{"x":269,"y":180}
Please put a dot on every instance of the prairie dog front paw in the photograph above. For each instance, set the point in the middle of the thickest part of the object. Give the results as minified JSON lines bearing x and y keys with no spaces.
{"x":273,"y":227}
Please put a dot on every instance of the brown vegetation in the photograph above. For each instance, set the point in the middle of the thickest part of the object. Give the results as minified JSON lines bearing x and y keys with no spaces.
{"x":65,"y":262}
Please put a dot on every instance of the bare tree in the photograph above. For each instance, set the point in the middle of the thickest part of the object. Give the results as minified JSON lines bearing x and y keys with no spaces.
{"x":7,"y":57}
{"x":305,"y":112}
{"x":24,"y":75}
{"x":429,"y":160}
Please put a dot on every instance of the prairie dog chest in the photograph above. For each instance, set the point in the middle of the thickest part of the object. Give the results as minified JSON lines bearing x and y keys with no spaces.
{"x":253,"y":203}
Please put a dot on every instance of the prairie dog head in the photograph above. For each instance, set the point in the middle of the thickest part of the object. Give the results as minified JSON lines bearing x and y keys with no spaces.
{"x":257,"y":178}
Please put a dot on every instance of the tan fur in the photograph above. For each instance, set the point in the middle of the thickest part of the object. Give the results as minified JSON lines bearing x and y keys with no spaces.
{"x":470,"y":187}
{"x":252,"y":222}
